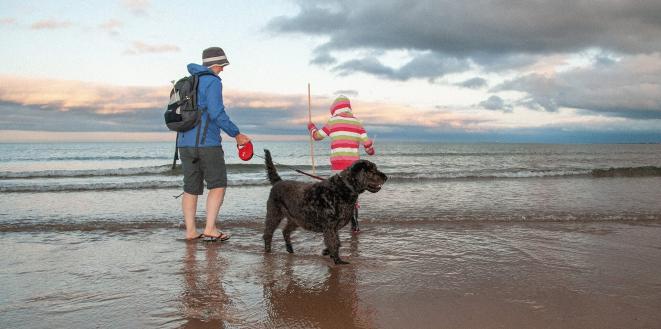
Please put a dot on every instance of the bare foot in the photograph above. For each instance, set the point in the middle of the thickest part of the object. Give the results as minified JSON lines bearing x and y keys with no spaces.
{"x":193,"y":237}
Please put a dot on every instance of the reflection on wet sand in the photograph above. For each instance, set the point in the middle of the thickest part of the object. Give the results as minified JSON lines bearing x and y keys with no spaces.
{"x":203,"y":299}
{"x":300,"y":293}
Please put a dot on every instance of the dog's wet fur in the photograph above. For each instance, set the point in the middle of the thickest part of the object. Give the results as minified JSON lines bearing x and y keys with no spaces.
{"x":323,"y":207}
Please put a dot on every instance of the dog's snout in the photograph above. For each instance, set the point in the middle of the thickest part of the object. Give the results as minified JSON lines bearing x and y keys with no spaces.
{"x":385,"y":178}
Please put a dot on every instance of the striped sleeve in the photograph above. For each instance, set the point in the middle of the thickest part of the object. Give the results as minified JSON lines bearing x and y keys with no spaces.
{"x":319,"y":134}
{"x":363,"y":137}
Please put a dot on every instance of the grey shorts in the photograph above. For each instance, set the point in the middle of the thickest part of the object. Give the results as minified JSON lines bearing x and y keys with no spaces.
{"x":210,"y":167}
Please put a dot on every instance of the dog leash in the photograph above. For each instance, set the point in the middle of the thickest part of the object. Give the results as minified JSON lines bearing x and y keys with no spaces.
{"x":277,"y":164}
{"x":294,"y":169}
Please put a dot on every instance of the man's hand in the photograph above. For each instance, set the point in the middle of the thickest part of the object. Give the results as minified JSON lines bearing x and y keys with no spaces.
{"x":369,"y":150}
{"x":242,"y":139}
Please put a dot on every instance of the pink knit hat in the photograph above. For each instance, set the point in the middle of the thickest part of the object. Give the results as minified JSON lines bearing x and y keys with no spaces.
{"x":339,"y":103}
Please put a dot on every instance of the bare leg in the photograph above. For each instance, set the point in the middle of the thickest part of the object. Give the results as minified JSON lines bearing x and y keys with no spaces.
{"x":214,"y":202}
{"x":189,"y":206}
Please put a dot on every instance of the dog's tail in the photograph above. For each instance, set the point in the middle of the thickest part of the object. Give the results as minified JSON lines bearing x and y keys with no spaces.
{"x":271,"y":172}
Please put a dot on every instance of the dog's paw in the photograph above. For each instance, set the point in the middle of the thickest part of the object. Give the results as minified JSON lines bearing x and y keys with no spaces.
{"x":338,"y":261}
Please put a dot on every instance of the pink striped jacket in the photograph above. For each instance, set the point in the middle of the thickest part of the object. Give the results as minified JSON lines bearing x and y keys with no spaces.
{"x":346,"y":133}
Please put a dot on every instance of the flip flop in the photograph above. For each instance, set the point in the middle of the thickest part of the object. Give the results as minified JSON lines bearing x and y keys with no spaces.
{"x":195,"y":238}
{"x":210,"y":238}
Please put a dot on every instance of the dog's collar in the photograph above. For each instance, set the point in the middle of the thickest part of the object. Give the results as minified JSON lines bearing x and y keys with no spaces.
{"x":349,"y":186}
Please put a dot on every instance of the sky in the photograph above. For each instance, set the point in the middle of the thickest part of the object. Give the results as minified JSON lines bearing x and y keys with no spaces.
{"x":442,"y":71}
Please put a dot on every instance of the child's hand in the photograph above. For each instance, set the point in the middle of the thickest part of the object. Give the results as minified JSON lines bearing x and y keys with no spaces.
{"x":369,"y":150}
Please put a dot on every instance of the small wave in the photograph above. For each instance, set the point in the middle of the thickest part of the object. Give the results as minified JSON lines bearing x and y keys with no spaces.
{"x":137,"y":171}
{"x":124,"y":225}
{"x":153,"y":185}
{"x":405,"y":177}
{"x":166,"y":170}
{"x":627,"y":172}
{"x":86,"y":158}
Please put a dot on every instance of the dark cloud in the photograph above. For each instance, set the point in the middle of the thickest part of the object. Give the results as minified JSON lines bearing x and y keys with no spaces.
{"x":427,"y":66}
{"x":347,"y":92}
{"x":494,"y":34}
{"x":46,"y":118}
{"x":496,"y":103}
{"x":474,"y":83}
{"x":629,"y":88}
{"x":323,"y":58}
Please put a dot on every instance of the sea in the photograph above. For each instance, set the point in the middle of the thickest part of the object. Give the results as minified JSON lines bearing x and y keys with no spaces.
{"x":460,"y":236}
{"x":120,"y":186}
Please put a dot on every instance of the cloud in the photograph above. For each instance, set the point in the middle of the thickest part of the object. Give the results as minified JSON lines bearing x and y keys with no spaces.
{"x":138,"y":7}
{"x":35,"y":104}
{"x":347,"y":92}
{"x":111,"y":26}
{"x":139,"y":47}
{"x":427,"y":66}
{"x":64,"y":95}
{"x":29,"y":104}
{"x":496,"y":103}
{"x":493,"y":34}
{"x":630,"y":88}
{"x":474,"y":83}
{"x":7,"y":21}
{"x":50,"y":24}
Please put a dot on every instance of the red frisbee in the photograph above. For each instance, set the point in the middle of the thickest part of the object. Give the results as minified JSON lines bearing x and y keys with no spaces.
{"x":245,"y":151}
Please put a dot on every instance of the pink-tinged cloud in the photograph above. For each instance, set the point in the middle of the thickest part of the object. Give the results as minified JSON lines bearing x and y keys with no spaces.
{"x":288,"y":110}
{"x":65,"y":95}
{"x":111,"y":26}
{"x":50,"y":24}
{"x":7,"y":21}
{"x":23,"y":136}
{"x":136,"y":6}
{"x":139,"y":47}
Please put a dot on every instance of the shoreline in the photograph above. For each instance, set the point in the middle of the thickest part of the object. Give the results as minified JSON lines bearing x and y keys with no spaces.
{"x":417,"y":275}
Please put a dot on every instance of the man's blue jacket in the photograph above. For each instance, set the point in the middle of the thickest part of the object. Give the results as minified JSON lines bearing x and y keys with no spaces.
{"x":210,"y":100}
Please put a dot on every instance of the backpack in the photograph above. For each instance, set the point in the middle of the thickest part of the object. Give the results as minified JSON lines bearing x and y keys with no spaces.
{"x":182,"y":113}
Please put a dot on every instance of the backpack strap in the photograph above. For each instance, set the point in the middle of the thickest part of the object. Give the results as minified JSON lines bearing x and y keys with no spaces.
{"x":196,"y":81}
{"x":206,"y":128}
{"x":176,"y":152}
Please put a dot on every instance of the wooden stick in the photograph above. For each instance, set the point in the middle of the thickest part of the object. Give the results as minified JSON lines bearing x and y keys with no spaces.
{"x":311,"y":141}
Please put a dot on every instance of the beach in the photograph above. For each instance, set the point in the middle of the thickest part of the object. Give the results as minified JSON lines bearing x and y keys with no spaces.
{"x":402,"y":275}
{"x":460,"y":236}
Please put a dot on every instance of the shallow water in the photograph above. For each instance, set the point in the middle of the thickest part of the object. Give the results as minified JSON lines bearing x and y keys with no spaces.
{"x":417,"y":275}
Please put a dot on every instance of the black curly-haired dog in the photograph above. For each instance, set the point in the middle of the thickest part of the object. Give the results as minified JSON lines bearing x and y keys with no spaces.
{"x":324,"y":207}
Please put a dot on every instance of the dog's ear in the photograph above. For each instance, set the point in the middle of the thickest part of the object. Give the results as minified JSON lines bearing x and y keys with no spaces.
{"x":360,"y":165}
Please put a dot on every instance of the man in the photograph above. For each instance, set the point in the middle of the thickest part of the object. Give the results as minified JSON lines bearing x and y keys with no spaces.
{"x":206,"y":161}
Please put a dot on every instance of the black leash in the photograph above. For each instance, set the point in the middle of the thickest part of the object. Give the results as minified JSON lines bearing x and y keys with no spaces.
{"x":292,"y":168}
{"x":277,"y":164}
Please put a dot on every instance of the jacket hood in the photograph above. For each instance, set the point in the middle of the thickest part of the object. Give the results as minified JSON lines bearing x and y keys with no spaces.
{"x":197,"y":69}
{"x":341,"y":104}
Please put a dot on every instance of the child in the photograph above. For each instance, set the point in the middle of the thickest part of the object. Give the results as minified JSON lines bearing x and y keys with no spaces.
{"x":346,"y":133}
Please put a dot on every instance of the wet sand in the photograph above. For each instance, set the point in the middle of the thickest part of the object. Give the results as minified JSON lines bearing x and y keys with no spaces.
{"x":420,"y":274}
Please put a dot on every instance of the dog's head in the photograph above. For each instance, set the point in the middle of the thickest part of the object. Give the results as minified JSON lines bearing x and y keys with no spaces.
{"x":363,"y":175}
